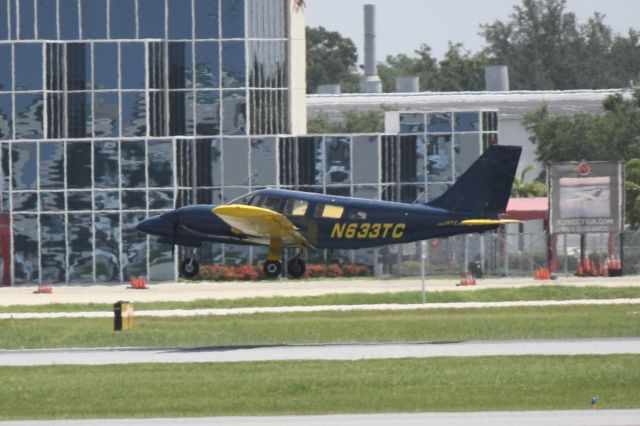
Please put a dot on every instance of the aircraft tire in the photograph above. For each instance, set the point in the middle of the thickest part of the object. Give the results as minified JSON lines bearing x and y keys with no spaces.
{"x":296,"y":268}
{"x":272,"y":268}
{"x":189,"y":268}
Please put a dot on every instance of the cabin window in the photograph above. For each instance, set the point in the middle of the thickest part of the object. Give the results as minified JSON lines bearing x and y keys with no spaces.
{"x":271,"y":203}
{"x":329,"y":211}
{"x":358,"y":215}
{"x":296,"y":207}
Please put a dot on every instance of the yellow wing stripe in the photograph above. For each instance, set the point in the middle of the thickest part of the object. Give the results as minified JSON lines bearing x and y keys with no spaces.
{"x":260,"y":222}
{"x":488,"y":222}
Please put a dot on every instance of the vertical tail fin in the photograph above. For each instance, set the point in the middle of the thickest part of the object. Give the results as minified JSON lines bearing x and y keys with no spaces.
{"x":485,"y":187}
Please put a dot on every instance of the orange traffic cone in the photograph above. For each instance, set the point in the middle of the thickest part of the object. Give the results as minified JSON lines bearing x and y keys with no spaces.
{"x":579,"y":270}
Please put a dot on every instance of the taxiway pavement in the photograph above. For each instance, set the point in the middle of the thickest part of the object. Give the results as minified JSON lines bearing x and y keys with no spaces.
{"x":333,"y":352}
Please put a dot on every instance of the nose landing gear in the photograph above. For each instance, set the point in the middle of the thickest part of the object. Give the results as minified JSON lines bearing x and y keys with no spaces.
{"x":189,"y":266}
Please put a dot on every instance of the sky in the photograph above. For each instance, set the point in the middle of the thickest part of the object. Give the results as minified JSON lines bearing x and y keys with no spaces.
{"x":402,"y":25}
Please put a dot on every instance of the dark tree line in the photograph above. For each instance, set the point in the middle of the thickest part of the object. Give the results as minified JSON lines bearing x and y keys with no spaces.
{"x":543,"y":44}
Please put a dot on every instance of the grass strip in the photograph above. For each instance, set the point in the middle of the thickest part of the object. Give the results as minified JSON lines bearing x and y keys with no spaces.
{"x":546,"y":292}
{"x":330,"y":327}
{"x":320,"y":387}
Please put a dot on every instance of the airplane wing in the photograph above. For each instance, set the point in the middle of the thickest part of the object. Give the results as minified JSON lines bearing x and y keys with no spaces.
{"x":260,"y":222}
{"x":488,"y":222}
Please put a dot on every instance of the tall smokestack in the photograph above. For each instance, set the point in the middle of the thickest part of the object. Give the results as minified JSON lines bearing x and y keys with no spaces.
{"x":370,"y":82}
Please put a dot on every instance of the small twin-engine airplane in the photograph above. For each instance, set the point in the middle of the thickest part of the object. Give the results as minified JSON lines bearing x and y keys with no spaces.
{"x":280,"y":218}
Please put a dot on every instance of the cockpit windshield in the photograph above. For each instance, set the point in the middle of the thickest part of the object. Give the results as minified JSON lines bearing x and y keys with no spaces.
{"x":245,"y":200}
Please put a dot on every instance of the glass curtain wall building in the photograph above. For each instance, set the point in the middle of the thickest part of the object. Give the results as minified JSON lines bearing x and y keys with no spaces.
{"x":112,"y":111}
{"x":102,"y":103}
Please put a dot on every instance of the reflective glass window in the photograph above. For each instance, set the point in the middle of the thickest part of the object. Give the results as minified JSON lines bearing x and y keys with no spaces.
{"x":329,"y":211}
{"x":6,"y":117}
{"x":24,"y":161}
{"x":411,"y":123}
{"x":106,"y":65}
{"x":79,"y":118}
{"x":27,"y":20}
{"x":25,"y":248}
{"x":134,"y":245}
{"x":206,"y":18}
{"x":25,"y":201}
{"x":46,"y":20}
{"x":106,"y":164}
{"x":78,"y":165}
{"x":267,"y":18}
{"x":207,"y":113}
{"x":439,"y":158}
{"x":467,"y":121}
{"x":234,"y":114}
{"x":365,"y":159}
{"x":28,"y":122}
{"x":107,"y":251}
{"x":468,"y":148}
{"x":4,"y":27}
{"x":79,"y":200}
{"x":207,"y":65}
{"x":439,"y":122}
{"x":151,"y":18}
{"x":52,"y":201}
{"x":134,"y":200}
{"x":94,"y":19}
{"x":4,"y":201}
{"x":160,"y":155}
{"x":122,"y":19}
{"x":233,"y":64}
{"x":28,"y":66}
{"x":78,"y":70}
{"x":232,"y":18}
{"x":263,"y":161}
{"x":338,"y":160}
{"x":161,"y":264}
{"x":160,"y":200}
{"x":179,"y":19}
{"x":6,"y":83}
{"x":105,"y":110}
{"x":5,"y":162}
{"x":69,"y":23}
{"x":132,"y":65}
{"x":420,"y":156}
{"x":180,"y":65}
{"x":132,"y":158}
{"x":80,"y":247}
{"x":53,"y":249}
{"x":51,"y":165}
{"x":366,"y":191}
{"x":179,"y":110}
{"x":134,"y":114}
{"x":107,"y":200}
{"x":236,"y":162}
{"x":209,"y":155}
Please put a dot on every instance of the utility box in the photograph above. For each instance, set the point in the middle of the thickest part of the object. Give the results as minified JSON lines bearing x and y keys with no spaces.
{"x":122,"y":316}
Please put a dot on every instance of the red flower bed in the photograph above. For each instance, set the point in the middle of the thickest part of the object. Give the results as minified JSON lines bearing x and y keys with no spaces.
{"x":254,"y":272}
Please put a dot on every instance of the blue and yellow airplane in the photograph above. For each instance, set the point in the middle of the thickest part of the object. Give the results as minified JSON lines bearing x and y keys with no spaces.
{"x":281,"y":218}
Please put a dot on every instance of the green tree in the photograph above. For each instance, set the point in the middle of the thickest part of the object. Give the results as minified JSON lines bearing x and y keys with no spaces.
{"x":612,"y":136}
{"x":632,"y":192}
{"x":546,"y":48}
{"x":331,"y":59}
{"x":521,"y":189}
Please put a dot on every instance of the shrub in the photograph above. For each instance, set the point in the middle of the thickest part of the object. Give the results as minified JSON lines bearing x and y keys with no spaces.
{"x":254,"y":272}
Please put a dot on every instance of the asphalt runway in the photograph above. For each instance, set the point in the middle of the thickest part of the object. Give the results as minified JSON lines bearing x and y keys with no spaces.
{"x":333,"y":352}
{"x":489,"y":418}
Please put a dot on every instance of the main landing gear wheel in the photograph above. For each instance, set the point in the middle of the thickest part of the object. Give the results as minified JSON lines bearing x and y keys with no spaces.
{"x":189,"y":268}
{"x":296,"y":268}
{"x":272,"y":268}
